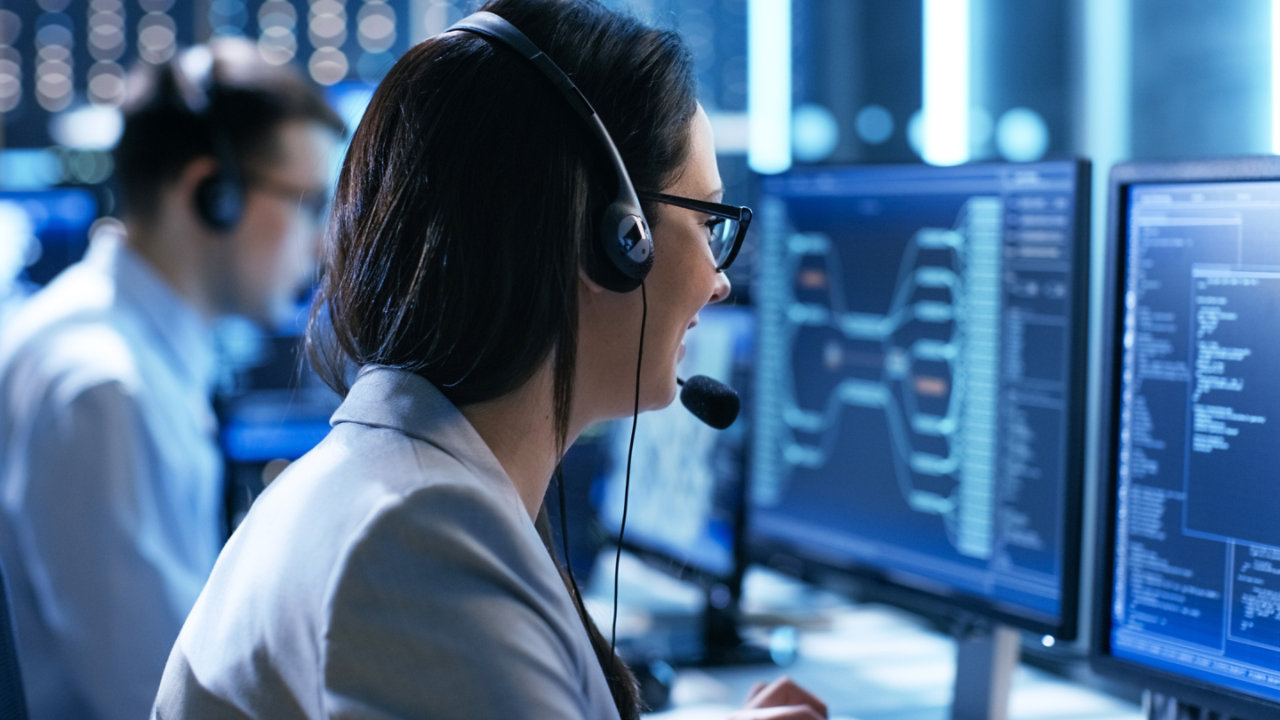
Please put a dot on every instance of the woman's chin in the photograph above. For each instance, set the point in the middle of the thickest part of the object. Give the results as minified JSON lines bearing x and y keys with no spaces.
{"x":661,"y":397}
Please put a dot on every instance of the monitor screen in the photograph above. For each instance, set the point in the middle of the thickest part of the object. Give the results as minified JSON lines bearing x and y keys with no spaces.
{"x":277,"y":408}
{"x":1190,"y":561}
{"x":920,"y":382}
{"x":43,"y":231}
{"x":687,"y":479}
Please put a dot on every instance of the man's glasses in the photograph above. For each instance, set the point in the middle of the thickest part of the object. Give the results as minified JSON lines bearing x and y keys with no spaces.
{"x":725,"y":229}
{"x":312,"y":203}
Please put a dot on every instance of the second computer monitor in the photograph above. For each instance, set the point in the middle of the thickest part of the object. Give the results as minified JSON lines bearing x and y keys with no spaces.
{"x":1189,"y":559}
{"x":920,"y":381}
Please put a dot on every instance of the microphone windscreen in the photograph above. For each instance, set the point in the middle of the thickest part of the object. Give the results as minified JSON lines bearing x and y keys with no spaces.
{"x":711,"y":401}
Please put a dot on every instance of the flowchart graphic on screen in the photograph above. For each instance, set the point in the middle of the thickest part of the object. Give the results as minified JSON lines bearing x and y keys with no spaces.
{"x":914,"y":372}
{"x":941,"y":323}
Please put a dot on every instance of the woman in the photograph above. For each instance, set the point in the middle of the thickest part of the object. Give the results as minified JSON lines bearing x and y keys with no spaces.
{"x":395,"y":571}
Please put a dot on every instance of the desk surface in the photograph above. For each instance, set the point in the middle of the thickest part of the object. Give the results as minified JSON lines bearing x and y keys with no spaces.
{"x":869,"y":662}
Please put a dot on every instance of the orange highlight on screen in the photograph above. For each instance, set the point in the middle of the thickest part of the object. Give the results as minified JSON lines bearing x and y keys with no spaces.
{"x":813,"y":279}
{"x":931,"y":386}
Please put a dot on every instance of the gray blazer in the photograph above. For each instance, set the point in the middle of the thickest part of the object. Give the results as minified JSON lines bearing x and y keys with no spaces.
{"x":391,"y":572}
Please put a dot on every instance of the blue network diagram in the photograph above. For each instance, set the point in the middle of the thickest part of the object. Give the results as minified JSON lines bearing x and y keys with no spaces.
{"x":929,"y":358}
{"x":914,"y":374}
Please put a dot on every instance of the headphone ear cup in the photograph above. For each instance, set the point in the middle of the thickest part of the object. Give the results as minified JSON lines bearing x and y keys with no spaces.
{"x":601,"y":269}
{"x":219,"y":202}
{"x":624,"y":255}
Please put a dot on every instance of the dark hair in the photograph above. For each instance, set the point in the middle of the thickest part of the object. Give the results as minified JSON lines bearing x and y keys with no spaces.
{"x":472,"y":194}
{"x":248,"y":99}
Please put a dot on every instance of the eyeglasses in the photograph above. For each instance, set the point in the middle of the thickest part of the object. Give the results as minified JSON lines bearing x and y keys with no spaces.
{"x":726,"y":228}
{"x":312,"y":203}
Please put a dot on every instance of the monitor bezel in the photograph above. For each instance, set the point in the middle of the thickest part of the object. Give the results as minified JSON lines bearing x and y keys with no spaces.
{"x":930,"y":597}
{"x":1122,"y":178}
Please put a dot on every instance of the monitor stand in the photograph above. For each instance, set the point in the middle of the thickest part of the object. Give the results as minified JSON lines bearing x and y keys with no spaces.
{"x":1158,"y":706}
{"x":986,"y":656}
{"x":698,"y":630}
{"x":690,"y":639}
{"x":722,"y":643}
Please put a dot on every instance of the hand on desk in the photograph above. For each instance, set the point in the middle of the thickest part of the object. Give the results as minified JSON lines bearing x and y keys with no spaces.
{"x":781,"y":699}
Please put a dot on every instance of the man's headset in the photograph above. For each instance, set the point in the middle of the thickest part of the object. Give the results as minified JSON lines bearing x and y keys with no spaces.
{"x":625,"y":238}
{"x":219,"y":198}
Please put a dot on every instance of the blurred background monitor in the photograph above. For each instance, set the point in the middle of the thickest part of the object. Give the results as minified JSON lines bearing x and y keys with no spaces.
{"x":43,"y":231}
{"x":272,"y":407}
{"x":920,"y":380}
{"x":1189,"y":562}
{"x":688,"y":492}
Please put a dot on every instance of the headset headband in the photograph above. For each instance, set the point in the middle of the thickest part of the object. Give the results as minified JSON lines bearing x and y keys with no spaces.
{"x":627,"y":241}
{"x":219,"y":198}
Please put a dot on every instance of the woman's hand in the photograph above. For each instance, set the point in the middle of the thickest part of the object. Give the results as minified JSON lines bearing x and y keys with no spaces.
{"x":781,"y":699}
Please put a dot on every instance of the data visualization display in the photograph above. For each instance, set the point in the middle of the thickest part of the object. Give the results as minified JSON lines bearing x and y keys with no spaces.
{"x":920,"y":379}
{"x":1193,"y":550}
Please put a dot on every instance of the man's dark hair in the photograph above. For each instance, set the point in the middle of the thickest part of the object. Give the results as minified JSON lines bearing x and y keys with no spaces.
{"x":247,"y":99}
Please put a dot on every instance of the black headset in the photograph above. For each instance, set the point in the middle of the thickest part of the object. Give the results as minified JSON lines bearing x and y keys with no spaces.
{"x":219,"y":198}
{"x":625,"y":237}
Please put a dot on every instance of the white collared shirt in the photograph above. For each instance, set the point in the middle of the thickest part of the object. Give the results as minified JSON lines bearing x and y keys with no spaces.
{"x":110,"y":481}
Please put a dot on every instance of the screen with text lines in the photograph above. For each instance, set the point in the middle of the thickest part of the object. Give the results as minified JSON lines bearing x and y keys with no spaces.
{"x":1195,"y":586}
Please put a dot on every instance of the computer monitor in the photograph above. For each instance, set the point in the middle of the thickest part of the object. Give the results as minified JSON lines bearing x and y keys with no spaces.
{"x":272,"y":408}
{"x":688,"y":489}
{"x":1188,"y":566}
{"x":920,"y":386}
{"x":279,"y":408}
{"x":44,"y":231}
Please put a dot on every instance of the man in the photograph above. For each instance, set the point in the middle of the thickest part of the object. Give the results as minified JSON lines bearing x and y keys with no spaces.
{"x":110,"y":478}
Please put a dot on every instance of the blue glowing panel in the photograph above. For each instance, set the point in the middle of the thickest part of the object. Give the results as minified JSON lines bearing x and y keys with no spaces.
{"x":349,"y":99}
{"x":918,"y":380}
{"x":274,"y":428}
{"x":280,"y":408}
{"x":52,"y":225}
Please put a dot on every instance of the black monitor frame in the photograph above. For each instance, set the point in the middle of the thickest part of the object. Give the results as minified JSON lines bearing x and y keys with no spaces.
{"x":968,"y":613}
{"x":1225,"y":701}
